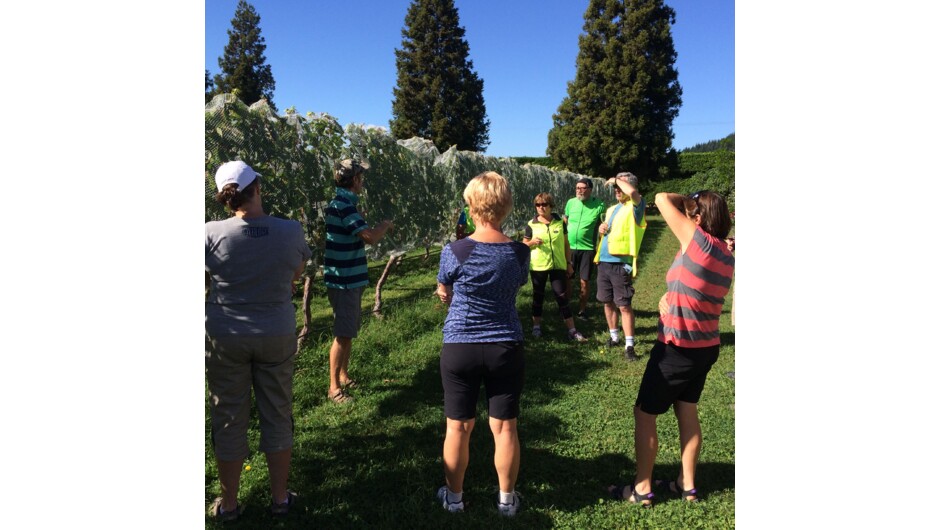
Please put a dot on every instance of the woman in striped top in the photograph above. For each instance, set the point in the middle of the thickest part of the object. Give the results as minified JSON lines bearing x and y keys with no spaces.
{"x":688,"y":338}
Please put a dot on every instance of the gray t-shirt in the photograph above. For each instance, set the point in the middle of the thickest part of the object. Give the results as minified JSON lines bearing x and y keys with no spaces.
{"x":251,"y":263}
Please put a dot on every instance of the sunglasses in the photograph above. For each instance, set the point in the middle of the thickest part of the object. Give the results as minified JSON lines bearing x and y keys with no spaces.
{"x":695,"y":195}
{"x":542,"y":204}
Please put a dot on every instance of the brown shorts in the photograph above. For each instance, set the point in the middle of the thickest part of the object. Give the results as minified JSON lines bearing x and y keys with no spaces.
{"x":235,"y":365}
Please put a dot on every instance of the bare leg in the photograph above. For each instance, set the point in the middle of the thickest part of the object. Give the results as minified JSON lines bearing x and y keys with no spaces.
{"x":229,"y":474}
{"x":457,"y":452}
{"x":507,"y":454}
{"x":611,"y":314}
{"x":646,"y":443}
{"x":278,"y":469}
{"x":626,"y":319}
{"x":569,"y":323}
{"x":537,"y":321}
{"x":339,"y":353}
{"x":584,"y":296}
{"x":690,"y":439}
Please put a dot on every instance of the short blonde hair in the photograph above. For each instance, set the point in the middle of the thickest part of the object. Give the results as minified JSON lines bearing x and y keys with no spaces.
{"x":489,"y":197}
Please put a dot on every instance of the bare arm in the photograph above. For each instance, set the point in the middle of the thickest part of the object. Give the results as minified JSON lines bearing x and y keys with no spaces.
{"x":445,"y":292}
{"x":673,"y":212}
{"x":373,"y":235}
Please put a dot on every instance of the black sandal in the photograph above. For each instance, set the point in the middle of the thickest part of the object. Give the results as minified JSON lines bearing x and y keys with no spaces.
{"x":616,"y":493}
{"x":673,"y":487}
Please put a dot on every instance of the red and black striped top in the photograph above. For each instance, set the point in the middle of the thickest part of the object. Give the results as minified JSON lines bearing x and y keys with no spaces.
{"x":696,"y":285}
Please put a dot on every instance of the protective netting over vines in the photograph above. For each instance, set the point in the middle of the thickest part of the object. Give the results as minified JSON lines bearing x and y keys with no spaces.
{"x":410,"y":182}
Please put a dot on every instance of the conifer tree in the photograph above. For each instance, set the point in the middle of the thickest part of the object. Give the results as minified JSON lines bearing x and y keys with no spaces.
{"x":438,"y":95}
{"x":209,"y":87}
{"x":243,"y":64}
{"x":619,"y":110}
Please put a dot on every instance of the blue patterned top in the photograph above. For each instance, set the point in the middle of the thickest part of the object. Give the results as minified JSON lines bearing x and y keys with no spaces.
{"x":485,"y":278}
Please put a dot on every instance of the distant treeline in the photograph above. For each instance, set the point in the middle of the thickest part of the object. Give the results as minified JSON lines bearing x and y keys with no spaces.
{"x":725,"y":144}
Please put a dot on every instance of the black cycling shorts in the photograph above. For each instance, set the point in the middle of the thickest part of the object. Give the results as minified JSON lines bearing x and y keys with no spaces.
{"x":500,"y":366}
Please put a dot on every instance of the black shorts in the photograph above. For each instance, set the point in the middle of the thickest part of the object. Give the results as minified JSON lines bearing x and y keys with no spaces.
{"x":614,"y":284}
{"x":582,"y":261}
{"x":499,"y":365}
{"x":674,"y":374}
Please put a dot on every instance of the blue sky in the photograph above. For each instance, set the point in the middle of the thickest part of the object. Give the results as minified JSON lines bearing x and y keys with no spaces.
{"x":338,"y":57}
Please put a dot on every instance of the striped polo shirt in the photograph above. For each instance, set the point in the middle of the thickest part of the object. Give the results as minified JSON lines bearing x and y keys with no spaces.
{"x":344,"y":263}
{"x":696,"y":285}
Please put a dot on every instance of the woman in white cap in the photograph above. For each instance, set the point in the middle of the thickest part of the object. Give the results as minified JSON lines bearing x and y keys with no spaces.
{"x":252,"y":260}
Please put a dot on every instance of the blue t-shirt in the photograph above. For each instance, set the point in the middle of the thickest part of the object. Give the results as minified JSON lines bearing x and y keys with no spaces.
{"x":485,"y":278}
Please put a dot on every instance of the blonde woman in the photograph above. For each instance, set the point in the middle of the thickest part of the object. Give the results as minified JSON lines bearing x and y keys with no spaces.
{"x":479,"y":277}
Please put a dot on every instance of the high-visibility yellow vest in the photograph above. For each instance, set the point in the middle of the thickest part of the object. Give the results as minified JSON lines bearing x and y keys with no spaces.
{"x":551,"y":253}
{"x":624,"y":234}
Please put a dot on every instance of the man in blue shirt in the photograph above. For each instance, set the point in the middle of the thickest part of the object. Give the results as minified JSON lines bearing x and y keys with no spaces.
{"x":345,"y":269}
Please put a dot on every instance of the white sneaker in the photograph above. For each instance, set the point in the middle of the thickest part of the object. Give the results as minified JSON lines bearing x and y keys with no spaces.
{"x":577,"y":336}
{"x":450,"y":506}
{"x":509,"y":510}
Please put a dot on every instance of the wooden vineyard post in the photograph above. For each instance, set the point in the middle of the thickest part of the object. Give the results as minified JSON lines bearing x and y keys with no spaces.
{"x":392,"y":262}
{"x":309,"y":276}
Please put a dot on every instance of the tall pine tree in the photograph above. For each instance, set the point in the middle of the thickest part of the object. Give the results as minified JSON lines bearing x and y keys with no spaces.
{"x":619,"y":110}
{"x":243,"y":64}
{"x":438,"y":95}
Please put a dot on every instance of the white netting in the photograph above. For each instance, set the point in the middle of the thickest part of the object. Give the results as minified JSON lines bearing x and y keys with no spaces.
{"x":410,"y":181}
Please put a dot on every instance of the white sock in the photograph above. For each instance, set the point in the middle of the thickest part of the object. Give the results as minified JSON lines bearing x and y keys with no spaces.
{"x":454,"y":498}
{"x":615,"y":335}
{"x":628,"y":341}
{"x":506,"y":498}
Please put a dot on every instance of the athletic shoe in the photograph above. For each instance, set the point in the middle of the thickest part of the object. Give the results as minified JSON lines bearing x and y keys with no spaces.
{"x":629,"y":354}
{"x":611,"y":342}
{"x":449,"y":506}
{"x":511,"y":509}
{"x":283,"y":508}
{"x":577,"y":336}
{"x":536,"y":332}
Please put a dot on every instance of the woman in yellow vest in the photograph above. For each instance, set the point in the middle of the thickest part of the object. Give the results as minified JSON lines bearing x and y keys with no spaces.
{"x":546,"y":235}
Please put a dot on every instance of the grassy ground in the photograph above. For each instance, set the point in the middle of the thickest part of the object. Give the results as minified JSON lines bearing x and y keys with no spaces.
{"x":377,"y":462}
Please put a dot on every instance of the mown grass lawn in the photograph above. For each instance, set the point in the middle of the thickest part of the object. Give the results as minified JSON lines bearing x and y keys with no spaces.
{"x":376,"y":463}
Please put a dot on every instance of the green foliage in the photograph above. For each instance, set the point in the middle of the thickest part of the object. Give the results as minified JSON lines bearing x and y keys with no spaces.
{"x":619,"y":110}
{"x":576,"y":424}
{"x":725,"y":144}
{"x":244,"y":71}
{"x":545,"y":161}
{"x":438,"y":95}
{"x":701,"y":171}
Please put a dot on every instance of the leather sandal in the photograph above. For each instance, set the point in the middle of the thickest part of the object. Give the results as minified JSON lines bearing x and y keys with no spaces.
{"x":340,"y":396}
{"x":673,"y":487}
{"x":643,"y":499}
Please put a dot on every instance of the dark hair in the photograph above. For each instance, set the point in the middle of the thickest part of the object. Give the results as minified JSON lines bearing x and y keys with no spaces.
{"x":545,"y":198}
{"x":232,"y":198}
{"x":586,"y":181}
{"x":713,"y":210}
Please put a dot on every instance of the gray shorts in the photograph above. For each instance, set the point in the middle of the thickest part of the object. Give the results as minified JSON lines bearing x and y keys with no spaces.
{"x":347,"y":310}
{"x":235,"y":365}
{"x":614,"y":284}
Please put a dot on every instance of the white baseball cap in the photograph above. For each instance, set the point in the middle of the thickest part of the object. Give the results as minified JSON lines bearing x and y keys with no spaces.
{"x":236,"y":172}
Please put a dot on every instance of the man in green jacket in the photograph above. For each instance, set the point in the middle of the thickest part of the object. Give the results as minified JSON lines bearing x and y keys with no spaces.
{"x":583,"y":215}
